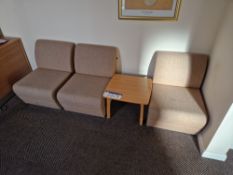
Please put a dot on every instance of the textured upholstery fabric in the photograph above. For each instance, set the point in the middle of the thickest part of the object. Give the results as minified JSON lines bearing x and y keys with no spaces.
{"x":40,"y":86}
{"x":176,"y":102}
{"x":56,"y":55}
{"x":177,"y":108}
{"x":95,"y":60}
{"x":180,"y":69}
{"x":83,"y":93}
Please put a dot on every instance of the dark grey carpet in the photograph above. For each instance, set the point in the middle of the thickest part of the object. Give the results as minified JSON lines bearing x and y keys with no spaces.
{"x":40,"y":141}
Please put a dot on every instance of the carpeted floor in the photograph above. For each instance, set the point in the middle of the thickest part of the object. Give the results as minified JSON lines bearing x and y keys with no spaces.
{"x":40,"y":141}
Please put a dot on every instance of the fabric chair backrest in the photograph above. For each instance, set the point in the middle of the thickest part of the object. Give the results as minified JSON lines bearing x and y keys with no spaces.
{"x":56,"y":55}
{"x":95,"y":60}
{"x":180,"y":69}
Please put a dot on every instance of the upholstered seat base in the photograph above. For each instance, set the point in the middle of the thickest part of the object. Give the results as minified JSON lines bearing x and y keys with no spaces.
{"x":177,"y":109}
{"x":83,"y":94}
{"x":40,"y":87}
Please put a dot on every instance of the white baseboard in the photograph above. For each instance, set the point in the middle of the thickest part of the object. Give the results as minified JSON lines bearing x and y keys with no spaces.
{"x":215,"y":156}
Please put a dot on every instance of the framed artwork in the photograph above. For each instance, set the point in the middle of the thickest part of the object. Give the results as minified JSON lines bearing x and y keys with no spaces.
{"x":149,"y":9}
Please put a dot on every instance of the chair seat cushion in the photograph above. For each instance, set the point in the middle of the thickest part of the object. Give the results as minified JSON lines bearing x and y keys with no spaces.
{"x":83,"y":93}
{"x":40,"y":87}
{"x":177,"y":108}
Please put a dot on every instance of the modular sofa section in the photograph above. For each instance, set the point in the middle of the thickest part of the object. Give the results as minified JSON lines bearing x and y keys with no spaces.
{"x":94,"y":67}
{"x":176,"y":101}
{"x":55,"y":65}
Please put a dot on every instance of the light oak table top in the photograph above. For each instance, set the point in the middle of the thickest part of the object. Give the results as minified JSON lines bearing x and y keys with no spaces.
{"x":134,"y":89}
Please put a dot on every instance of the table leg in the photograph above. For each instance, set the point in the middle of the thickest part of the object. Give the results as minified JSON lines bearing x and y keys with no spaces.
{"x":141,"y":114}
{"x":108,"y":108}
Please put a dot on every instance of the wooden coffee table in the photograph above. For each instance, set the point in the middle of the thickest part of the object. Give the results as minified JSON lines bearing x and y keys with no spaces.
{"x":134,"y":89}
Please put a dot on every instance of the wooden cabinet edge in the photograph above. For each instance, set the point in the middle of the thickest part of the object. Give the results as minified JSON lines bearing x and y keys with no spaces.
{"x":13,"y":43}
{"x":25,"y":54}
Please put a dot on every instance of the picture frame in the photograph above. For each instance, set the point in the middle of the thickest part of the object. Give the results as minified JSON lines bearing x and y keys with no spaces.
{"x":149,"y":9}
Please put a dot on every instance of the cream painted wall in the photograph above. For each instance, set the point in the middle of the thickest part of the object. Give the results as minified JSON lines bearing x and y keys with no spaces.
{"x":97,"y":22}
{"x":218,"y":86}
{"x":222,"y":140}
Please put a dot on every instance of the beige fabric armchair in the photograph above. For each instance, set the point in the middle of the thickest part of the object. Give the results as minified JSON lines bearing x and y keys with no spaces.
{"x":54,"y":61}
{"x":176,"y":101}
{"x":94,"y":66}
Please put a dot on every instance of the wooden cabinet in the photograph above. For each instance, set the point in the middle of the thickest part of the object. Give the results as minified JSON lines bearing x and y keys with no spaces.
{"x":14,"y":65}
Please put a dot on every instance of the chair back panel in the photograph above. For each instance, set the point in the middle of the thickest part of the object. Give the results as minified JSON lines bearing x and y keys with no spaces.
{"x":95,"y":60}
{"x":54,"y":55}
{"x":180,"y":69}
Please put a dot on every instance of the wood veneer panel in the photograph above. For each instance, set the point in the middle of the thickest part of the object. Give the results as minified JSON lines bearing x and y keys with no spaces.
{"x":13,"y":64}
